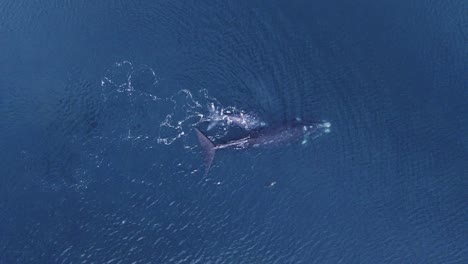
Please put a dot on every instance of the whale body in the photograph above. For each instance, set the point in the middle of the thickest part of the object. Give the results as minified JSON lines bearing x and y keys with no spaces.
{"x":268,"y":137}
{"x":230,"y":116}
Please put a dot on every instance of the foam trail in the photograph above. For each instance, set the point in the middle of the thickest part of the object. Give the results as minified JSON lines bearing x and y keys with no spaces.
{"x":134,"y":88}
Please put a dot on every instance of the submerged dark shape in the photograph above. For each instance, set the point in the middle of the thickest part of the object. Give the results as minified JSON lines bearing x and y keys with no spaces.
{"x":230,"y":116}
{"x":267,"y":137}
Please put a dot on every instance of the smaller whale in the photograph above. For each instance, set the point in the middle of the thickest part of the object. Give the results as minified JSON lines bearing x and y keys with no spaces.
{"x":267,"y":137}
{"x":232,"y":117}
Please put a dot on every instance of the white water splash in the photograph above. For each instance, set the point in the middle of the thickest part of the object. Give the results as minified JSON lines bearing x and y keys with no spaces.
{"x":124,"y":83}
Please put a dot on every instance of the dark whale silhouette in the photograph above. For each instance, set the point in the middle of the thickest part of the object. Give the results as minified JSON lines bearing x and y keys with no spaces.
{"x":268,"y":137}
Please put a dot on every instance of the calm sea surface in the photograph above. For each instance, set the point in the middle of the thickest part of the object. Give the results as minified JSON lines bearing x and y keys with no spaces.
{"x":99,"y":162}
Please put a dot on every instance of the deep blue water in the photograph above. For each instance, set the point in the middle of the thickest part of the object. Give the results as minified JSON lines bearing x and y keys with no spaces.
{"x":99,"y":162}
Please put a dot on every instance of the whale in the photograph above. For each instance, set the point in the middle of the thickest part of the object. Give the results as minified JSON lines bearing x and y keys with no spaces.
{"x":244,"y":120}
{"x":275,"y":136}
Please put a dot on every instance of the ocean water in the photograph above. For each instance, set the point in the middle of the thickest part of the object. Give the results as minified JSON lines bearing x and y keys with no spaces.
{"x":100,"y":164}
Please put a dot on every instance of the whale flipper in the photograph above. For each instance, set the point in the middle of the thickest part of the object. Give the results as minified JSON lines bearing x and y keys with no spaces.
{"x":208,"y":149}
{"x":211,"y":125}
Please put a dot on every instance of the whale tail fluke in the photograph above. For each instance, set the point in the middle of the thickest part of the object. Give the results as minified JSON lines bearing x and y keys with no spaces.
{"x":208,"y":149}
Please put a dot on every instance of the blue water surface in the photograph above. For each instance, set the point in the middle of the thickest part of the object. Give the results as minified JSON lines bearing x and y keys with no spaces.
{"x":100,"y":164}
